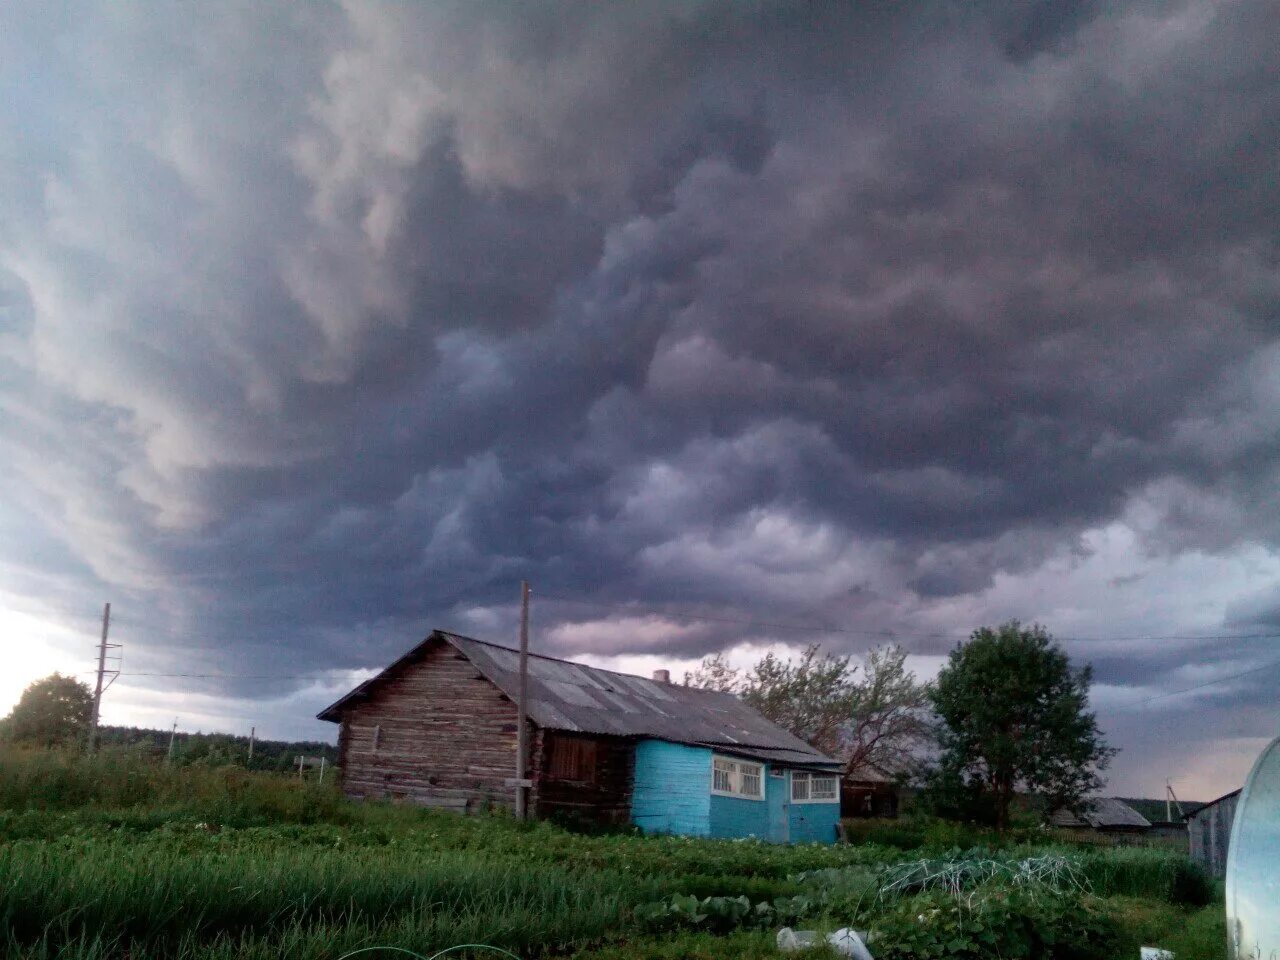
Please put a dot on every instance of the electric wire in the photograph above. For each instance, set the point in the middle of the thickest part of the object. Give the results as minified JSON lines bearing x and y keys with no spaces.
{"x":633,"y":608}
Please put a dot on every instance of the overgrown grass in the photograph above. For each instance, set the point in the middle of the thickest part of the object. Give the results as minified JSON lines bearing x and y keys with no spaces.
{"x":124,"y":779}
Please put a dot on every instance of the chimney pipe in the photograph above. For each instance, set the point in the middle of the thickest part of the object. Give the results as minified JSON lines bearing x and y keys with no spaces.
{"x":662,"y":676}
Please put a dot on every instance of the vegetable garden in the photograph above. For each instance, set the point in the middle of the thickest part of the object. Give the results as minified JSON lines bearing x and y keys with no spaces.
{"x":115,"y":858}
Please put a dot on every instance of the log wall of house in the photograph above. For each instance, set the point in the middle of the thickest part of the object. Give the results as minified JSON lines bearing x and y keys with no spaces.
{"x":437,"y":733}
{"x":600,"y":795}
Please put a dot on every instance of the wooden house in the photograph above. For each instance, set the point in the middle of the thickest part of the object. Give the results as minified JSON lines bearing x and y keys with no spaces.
{"x":438,"y":727}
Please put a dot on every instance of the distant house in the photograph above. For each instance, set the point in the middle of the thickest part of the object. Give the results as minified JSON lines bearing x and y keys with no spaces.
{"x":868,"y":792}
{"x":1209,"y":830}
{"x":1102,"y":815}
{"x":438,"y":727}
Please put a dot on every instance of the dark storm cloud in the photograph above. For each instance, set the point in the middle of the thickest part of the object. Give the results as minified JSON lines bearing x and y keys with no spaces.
{"x":324,"y":325}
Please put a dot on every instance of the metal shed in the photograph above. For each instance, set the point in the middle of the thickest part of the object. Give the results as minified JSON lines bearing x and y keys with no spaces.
{"x":1210,"y":833}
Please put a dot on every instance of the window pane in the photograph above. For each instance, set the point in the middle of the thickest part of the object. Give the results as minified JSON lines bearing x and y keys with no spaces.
{"x":749,"y":785}
{"x":799,"y":786}
{"x":822,"y":788}
{"x":724,"y":775}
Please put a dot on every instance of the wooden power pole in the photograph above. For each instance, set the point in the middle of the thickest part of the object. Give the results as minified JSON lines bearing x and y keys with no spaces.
{"x":103,"y":647}
{"x":522,"y":746}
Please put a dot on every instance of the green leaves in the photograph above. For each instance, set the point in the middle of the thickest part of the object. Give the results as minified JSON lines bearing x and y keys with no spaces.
{"x":1014,"y":716}
{"x":996,"y":923}
{"x":51,"y":712}
{"x":723,"y":914}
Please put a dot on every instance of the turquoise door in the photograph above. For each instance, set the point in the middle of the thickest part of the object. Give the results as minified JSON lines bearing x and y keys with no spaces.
{"x":778,"y":797}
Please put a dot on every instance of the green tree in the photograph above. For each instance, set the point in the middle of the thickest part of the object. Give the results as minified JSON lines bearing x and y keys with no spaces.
{"x":1014,"y":716}
{"x":878,"y":719}
{"x":52,"y":712}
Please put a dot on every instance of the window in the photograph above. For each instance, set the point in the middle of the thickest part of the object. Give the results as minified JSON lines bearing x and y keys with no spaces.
{"x":814,"y":787}
{"x":799,"y":786}
{"x":737,"y":778}
{"x":722,"y":778}
{"x":572,"y":759}
{"x":823,"y":788}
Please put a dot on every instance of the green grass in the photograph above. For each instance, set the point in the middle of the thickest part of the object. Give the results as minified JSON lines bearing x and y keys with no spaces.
{"x":112,"y":857}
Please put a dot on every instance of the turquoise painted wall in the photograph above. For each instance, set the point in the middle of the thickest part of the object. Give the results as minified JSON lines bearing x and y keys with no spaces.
{"x":672,"y":789}
{"x":734,"y":817}
{"x":672,"y":794}
{"x":814,"y":822}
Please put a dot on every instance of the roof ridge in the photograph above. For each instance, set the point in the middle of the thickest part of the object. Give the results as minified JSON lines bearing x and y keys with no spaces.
{"x":575,"y":663}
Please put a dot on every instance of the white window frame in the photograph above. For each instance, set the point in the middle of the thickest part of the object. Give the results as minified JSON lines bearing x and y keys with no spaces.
{"x":731,"y":771}
{"x":806,"y":778}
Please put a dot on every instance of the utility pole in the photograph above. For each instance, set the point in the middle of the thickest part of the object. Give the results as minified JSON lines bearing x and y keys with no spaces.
{"x":1168,"y":802}
{"x":100,"y":687}
{"x":252,"y":733}
{"x":173,"y":732}
{"x":522,"y":782}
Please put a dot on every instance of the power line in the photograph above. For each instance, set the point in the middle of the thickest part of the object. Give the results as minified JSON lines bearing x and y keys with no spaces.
{"x":238,"y":676}
{"x":1208,"y":683}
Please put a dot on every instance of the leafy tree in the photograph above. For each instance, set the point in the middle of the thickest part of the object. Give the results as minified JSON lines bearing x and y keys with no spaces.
{"x":52,"y":712}
{"x":714,"y":673}
{"x":890,"y":725}
{"x":1014,"y":716}
{"x":877,"y":719}
{"x":813,"y":698}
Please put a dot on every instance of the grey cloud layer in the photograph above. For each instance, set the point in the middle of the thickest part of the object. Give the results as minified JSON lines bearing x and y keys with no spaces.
{"x":321,"y":323}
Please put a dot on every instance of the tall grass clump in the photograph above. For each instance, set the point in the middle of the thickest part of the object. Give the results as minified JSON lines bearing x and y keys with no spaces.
{"x":128,"y":778}
{"x":1146,"y":872}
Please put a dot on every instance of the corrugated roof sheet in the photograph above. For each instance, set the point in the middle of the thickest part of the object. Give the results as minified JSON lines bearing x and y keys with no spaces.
{"x":575,"y":697}
{"x":1101,"y":813}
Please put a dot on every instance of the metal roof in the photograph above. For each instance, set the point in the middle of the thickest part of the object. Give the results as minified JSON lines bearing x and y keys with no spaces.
{"x":1101,"y":813}
{"x":575,"y":697}
{"x":1212,"y":803}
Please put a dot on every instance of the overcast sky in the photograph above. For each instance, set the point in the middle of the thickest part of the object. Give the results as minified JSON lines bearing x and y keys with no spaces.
{"x":324,"y":325}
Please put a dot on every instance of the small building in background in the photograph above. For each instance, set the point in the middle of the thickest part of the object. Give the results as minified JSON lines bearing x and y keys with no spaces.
{"x":1102,"y":815}
{"x":1209,"y":830}
{"x":868,"y":792}
{"x":438,"y":728}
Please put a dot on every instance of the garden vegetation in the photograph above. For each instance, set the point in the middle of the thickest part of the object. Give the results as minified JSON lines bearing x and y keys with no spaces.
{"x":117,"y":855}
